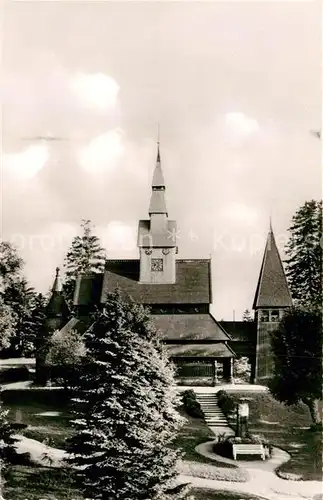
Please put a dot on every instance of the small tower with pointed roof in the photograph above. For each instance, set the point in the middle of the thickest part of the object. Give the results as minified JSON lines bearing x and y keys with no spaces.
{"x":272,"y":299}
{"x":157,"y":236}
{"x":57,"y":311}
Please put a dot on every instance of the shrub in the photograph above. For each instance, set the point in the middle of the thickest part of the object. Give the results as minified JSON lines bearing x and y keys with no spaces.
{"x":191,"y":405}
{"x":226,"y":402}
{"x":224,"y":446}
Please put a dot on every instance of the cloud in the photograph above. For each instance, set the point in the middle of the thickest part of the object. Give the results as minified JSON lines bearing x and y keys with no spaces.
{"x":103,"y":152}
{"x":27,"y":163}
{"x":241,"y":125}
{"x":96,"y":91}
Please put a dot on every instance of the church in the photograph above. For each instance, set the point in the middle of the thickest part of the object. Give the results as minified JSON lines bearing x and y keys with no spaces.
{"x":179,"y":295}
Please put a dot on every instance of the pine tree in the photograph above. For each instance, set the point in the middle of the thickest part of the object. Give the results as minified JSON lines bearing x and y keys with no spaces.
{"x":297,"y":353}
{"x":84,"y":256}
{"x":125,"y":406}
{"x":247,"y":316}
{"x":304,"y":256}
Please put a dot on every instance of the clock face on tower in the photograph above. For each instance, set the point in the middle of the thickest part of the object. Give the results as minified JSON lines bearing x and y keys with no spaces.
{"x":156,"y":264}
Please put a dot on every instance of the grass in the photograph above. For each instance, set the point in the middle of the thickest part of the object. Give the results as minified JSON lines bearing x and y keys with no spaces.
{"x":204,"y":494}
{"x":282,"y":426}
{"x":53,"y":429}
{"x":35,"y":483}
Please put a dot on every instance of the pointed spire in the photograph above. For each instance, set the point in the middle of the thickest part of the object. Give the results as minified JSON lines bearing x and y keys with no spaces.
{"x":57,"y":306}
{"x":57,"y":285}
{"x":272,"y":288}
{"x":157,"y":200}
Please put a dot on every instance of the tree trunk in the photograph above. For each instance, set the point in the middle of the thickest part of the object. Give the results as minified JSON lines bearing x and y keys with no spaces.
{"x":313,"y":406}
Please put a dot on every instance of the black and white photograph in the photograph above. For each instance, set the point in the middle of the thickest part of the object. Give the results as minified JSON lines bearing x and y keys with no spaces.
{"x":161,"y":250}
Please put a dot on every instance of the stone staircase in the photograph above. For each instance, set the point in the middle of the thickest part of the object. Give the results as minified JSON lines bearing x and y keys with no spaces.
{"x":213,"y":415}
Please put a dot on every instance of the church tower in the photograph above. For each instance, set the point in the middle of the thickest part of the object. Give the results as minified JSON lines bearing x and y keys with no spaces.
{"x":272,"y":299}
{"x":57,"y":311}
{"x":157,"y":236}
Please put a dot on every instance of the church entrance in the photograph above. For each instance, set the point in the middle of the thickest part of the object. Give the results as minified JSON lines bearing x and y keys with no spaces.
{"x":203,"y":371}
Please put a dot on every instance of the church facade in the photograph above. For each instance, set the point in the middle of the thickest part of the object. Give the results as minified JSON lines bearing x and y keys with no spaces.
{"x":179,"y":295}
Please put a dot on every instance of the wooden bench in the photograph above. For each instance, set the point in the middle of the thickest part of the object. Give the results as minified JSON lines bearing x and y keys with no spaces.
{"x":248,"y":449}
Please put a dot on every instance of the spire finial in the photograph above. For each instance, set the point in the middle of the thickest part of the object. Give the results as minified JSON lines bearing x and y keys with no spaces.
{"x":57,"y":271}
{"x":158,"y":152}
{"x":270,"y":225}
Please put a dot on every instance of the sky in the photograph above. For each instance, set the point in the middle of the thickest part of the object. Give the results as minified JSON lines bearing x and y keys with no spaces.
{"x":235,"y":88}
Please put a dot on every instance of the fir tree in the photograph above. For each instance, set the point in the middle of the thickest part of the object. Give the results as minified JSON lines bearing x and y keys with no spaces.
{"x":247,"y":316}
{"x":304,"y":256}
{"x":125,"y":405}
{"x":297,"y":354}
{"x":84,"y":256}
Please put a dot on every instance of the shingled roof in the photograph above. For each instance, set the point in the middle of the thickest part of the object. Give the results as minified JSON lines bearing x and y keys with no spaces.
{"x":193,"y":284}
{"x":220,"y":350}
{"x":88,"y":290}
{"x":189,"y":327}
{"x":272,"y":289}
{"x":57,"y":306}
{"x":240,"y":330}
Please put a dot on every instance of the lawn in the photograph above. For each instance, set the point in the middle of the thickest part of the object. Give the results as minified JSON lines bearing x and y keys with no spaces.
{"x":287,"y":428}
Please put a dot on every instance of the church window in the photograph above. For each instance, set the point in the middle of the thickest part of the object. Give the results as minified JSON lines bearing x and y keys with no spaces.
{"x":274,"y":316}
{"x":156,"y":264}
{"x":264,"y":316}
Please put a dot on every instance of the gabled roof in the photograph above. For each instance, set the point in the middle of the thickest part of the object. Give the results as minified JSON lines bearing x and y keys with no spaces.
{"x":220,"y":350}
{"x":146,"y":238}
{"x":189,"y":327}
{"x":272,"y":288}
{"x":192,"y":284}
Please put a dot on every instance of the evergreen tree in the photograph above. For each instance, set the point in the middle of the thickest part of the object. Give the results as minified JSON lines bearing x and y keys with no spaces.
{"x":40,"y":339}
{"x":304,"y":256}
{"x":247,"y":316}
{"x":297,"y":354}
{"x":21,"y":299}
{"x":7,"y":325}
{"x":84,"y":256}
{"x":125,"y":405}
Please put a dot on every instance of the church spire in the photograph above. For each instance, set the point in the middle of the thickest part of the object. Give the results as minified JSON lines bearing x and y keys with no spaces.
{"x":57,"y":309}
{"x":57,"y":285}
{"x":157,"y":200}
{"x":272,"y":288}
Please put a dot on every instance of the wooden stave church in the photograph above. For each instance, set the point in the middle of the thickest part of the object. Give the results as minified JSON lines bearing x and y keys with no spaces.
{"x":179,"y":295}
